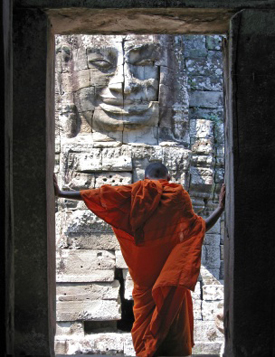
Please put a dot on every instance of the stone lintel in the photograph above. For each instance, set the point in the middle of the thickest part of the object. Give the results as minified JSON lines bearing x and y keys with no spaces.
{"x":157,"y":21}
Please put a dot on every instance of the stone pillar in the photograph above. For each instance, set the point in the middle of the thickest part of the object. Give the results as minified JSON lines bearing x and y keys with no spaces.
{"x":33,"y":187}
{"x":250,"y":171}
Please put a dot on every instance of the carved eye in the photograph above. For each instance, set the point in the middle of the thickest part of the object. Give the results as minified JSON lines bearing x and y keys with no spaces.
{"x":145,"y":62}
{"x":101,"y":64}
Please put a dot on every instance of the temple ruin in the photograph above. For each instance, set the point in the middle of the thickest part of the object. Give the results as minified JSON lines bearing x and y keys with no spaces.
{"x":123,"y":102}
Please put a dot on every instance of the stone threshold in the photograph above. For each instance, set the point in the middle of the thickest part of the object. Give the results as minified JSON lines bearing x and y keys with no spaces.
{"x":82,"y":355}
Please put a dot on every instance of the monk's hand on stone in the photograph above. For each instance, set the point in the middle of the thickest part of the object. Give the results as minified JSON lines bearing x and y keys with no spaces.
{"x":222,"y":197}
{"x":56,"y":187}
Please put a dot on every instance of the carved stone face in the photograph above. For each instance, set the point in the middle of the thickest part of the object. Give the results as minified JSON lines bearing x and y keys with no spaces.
{"x":129,"y":88}
{"x":124,"y":82}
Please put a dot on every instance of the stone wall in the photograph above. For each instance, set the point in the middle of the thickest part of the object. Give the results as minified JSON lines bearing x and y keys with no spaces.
{"x":121,"y":103}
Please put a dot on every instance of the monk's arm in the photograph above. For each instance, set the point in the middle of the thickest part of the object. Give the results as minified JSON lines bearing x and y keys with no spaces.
{"x":212,"y":219}
{"x":71,"y":195}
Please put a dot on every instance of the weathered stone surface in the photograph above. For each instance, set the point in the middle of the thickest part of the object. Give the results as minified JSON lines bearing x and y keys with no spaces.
{"x":211,"y":256}
{"x":126,"y":104}
{"x":202,"y":176}
{"x":120,"y":262}
{"x":102,"y":343}
{"x":113,"y":178}
{"x":210,"y":310}
{"x":80,"y":181}
{"x":94,"y":291}
{"x":209,"y":276}
{"x":95,"y":241}
{"x":202,"y":160}
{"x":201,"y":128}
{"x":197,"y":309}
{"x":212,"y":292}
{"x":203,"y":146}
{"x":207,"y":331}
{"x":84,"y":266}
{"x":212,"y":239}
{"x":116,"y":159}
{"x":84,"y":222}
{"x":207,"y":348}
{"x":88,"y":310}
{"x":69,"y":329}
{"x":206,"y":99}
{"x":194,"y":46}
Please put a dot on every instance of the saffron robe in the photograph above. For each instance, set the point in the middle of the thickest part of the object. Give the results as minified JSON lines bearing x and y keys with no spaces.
{"x":160,"y":238}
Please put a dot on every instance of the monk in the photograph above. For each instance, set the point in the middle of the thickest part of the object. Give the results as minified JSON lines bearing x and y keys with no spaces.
{"x":161,"y":239}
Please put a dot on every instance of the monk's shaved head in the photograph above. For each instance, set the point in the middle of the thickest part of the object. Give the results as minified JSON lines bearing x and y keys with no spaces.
{"x":156,"y":171}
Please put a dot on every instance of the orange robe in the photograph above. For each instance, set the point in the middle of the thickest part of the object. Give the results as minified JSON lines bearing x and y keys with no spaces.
{"x":160,"y":238}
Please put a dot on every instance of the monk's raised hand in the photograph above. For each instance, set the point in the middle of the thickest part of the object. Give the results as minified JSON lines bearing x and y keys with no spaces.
{"x":222,"y":197}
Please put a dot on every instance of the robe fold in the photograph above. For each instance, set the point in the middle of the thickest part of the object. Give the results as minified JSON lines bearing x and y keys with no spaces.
{"x":160,"y":238}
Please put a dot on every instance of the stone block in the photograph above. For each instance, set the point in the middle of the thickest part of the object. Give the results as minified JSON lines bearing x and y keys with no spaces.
{"x":207,"y":331}
{"x":201,"y":128}
{"x":117,"y":159}
{"x":91,"y":161}
{"x":213,"y":292}
{"x":202,"y":160}
{"x":202,"y":177}
{"x":216,"y":229}
{"x":206,"y":99}
{"x":176,"y":158}
{"x":80,"y":79}
{"x":143,"y":135}
{"x":222,"y":251}
{"x":214,"y":42}
{"x":80,"y":181}
{"x":209,"y":276}
{"x":84,"y":222}
{"x":196,"y":294}
{"x":113,"y":178}
{"x":66,"y":83}
{"x":202,"y":146}
{"x":101,"y":344}
{"x":205,"y":348}
{"x":212,"y":239}
{"x":210,"y":310}
{"x":120,"y":262}
{"x":84,"y":266}
{"x":81,"y":292}
{"x":197,"y":309}
{"x":80,"y":62}
{"x":60,"y":347}
{"x":211,"y":257}
{"x":69,"y":330}
{"x":128,"y":345}
{"x":98,"y":310}
{"x":194,"y":46}
{"x":205,"y":83}
{"x":128,"y":289}
{"x":222,"y":270}
{"x":219,"y":175}
{"x":85,"y":99}
{"x":95,"y":241}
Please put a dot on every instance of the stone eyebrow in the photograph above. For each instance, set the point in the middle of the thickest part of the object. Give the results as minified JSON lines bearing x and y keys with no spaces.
{"x":107,"y":52}
{"x":143,"y":51}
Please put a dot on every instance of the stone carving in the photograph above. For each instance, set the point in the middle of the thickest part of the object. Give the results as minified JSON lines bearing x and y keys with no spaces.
{"x":121,"y":103}
{"x":123,"y":87}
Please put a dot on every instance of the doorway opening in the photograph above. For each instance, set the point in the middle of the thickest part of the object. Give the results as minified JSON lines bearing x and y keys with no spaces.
{"x":123,"y":101}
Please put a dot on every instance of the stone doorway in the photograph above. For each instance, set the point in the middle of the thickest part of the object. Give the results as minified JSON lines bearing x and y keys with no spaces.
{"x":171,"y":90}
